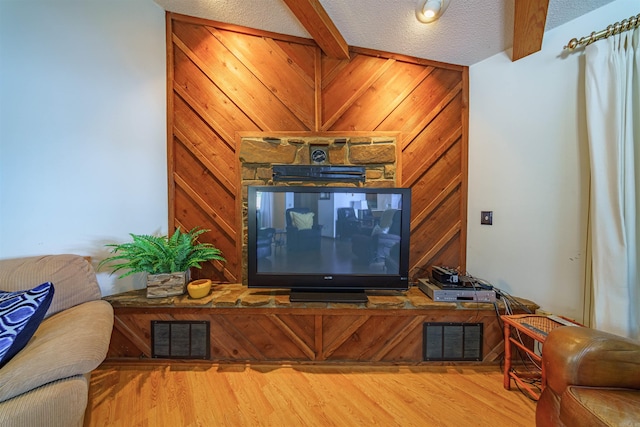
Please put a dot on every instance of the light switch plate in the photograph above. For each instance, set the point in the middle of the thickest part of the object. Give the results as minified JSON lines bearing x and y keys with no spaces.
{"x":486,"y":218}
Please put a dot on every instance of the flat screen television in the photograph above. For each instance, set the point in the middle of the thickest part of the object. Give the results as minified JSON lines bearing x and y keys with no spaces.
{"x":328,"y":243}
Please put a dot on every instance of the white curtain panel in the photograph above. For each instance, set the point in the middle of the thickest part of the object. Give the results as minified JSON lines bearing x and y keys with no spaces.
{"x":266,"y":209}
{"x":613,"y":119}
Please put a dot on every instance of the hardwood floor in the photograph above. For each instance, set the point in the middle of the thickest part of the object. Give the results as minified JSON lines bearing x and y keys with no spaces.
{"x":198,"y":394}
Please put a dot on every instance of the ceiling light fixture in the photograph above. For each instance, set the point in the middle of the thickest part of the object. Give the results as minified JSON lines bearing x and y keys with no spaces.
{"x":431,"y":10}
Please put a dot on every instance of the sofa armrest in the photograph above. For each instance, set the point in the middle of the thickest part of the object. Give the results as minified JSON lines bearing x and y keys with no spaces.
{"x":588,"y":357}
{"x":73,"y":278}
{"x":72,"y":342}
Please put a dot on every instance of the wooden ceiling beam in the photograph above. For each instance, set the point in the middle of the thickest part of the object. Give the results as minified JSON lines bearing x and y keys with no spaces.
{"x":529,"y":19}
{"x":315,"y":20}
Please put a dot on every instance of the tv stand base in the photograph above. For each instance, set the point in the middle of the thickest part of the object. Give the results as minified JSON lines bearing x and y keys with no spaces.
{"x":256,"y":325}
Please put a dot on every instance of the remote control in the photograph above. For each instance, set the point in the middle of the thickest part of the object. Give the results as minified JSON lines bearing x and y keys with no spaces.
{"x":534,"y":329}
{"x":559,"y":319}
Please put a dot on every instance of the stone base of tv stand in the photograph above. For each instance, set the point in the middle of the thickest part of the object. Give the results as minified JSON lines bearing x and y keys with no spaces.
{"x":248,"y":325}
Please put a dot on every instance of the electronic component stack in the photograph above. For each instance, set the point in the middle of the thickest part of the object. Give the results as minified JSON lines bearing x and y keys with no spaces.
{"x":448,"y":285}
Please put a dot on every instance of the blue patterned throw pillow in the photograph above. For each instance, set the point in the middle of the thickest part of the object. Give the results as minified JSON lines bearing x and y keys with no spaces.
{"x":20,"y":315}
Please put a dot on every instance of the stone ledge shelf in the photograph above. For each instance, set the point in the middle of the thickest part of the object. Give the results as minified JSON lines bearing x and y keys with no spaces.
{"x":239,"y":296}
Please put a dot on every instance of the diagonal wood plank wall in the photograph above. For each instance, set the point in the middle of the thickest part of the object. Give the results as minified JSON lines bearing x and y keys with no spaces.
{"x":224,"y":79}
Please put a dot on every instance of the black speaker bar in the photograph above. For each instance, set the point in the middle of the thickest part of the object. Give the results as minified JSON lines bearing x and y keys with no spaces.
{"x":318,"y":173}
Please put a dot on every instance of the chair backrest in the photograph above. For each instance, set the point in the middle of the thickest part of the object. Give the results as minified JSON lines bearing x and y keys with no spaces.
{"x":298,"y":210}
{"x":395,"y":223}
{"x":266,"y":233}
{"x":346,"y":213}
{"x":386,"y":220}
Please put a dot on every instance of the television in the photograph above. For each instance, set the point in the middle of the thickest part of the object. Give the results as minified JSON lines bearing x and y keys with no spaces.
{"x":328,"y":243}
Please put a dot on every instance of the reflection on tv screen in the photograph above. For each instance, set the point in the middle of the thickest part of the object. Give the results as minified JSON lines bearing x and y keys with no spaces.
{"x":353,"y":233}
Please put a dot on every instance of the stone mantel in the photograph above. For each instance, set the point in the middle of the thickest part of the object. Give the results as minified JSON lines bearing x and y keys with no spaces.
{"x":378,"y":152}
{"x":239,"y":296}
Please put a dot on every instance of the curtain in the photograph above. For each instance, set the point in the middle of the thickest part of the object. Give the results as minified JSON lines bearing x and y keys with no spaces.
{"x":613,"y":120}
{"x":266,"y":210}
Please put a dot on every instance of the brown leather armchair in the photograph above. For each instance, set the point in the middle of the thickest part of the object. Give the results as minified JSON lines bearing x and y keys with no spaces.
{"x":592,"y":379}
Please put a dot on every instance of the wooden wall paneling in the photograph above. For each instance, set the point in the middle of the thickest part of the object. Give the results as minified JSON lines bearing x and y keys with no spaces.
{"x":206,"y":146}
{"x":350,"y":82}
{"x":234,"y":78}
{"x":423,"y":104}
{"x":191,"y":211}
{"x":229,"y":343}
{"x":303,"y":327}
{"x":301,"y":57}
{"x":267,"y":337}
{"x":212,"y":211}
{"x":392,"y":333}
{"x":134,"y":333}
{"x":370,"y":340}
{"x":290,"y":327}
{"x":317,"y":66}
{"x":493,"y":339}
{"x":262,"y":337}
{"x":433,"y":161}
{"x":409,"y":349}
{"x":228,"y":80}
{"x":336,"y":330}
{"x":202,"y":156}
{"x":177,"y":17}
{"x":404,"y":345}
{"x":208,"y":189}
{"x":382,"y":96}
{"x":276,"y":70}
{"x":319,"y":337}
{"x":330,"y":68}
{"x":170,"y":94}
{"x":212,"y":106}
{"x":355,"y":50}
{"x":428,"y":147}
{"x":126,"y":343}
{"x":464,"y":186}
{"x":436,"y":232}
{"x":436,"y":184}
{"x":446,"y":251}
{"x":431,"y":215}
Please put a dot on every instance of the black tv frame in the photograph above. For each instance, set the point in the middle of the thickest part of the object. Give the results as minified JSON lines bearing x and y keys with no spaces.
{"x":328,"y":287}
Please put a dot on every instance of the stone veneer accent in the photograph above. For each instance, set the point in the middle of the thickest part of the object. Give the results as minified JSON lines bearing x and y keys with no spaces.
{"x":376,"y":154}
{"x":258,"y":155}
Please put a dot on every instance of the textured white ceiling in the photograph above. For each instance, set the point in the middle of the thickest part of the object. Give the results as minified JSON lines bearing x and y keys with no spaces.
{"x":468,"y":32}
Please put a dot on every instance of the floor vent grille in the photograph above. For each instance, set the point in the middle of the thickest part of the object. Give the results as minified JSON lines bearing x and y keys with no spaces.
{"x":452,"y":341}
{"x":180,"y":339}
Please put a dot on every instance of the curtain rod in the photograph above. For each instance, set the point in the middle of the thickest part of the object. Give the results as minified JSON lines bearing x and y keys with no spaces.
{"x":618,"y":27}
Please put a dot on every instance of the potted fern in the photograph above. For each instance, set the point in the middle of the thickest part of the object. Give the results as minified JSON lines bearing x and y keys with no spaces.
{"x":166,"y":260}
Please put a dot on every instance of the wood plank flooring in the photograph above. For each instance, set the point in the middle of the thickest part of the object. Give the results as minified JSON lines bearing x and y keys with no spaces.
{"x":199,"y":394}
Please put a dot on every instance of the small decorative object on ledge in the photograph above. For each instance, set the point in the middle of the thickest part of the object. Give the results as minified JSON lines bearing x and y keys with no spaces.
{"x":166,"y":284}
{"x":199,"y":288}
{"x":166,"y":260}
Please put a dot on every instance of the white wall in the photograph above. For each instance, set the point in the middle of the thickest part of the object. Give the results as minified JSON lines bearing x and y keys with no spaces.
{"x":528,"y":162}
{"x":82,"y":126}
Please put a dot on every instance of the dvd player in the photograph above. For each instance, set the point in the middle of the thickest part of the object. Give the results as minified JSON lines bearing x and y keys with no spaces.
{"x":437,"y":293}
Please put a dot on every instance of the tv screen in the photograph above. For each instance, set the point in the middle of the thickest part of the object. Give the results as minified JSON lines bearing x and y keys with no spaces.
{"x":328,"y":243}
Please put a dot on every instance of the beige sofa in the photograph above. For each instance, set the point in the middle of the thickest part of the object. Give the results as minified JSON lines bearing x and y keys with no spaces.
{"x":47,"y":382}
